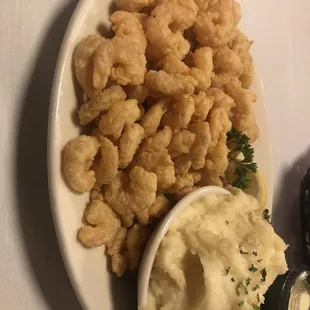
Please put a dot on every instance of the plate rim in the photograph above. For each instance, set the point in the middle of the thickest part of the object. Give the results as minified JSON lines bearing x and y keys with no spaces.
{"x":51,"y":139}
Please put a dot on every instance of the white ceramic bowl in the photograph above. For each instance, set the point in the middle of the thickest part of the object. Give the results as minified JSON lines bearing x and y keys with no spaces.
{"x":160,"y":232}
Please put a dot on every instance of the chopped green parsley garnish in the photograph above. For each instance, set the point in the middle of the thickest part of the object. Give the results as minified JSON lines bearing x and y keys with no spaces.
{"x":256,"y":287}
{"x":246,"y":291}
{"x":253,"y":268}
{"x":254,"y":253}
{"x":227,"y":270}
{"x":247,"y":281}
{"x":243,"y":167}
{"x":241,"y":303}
{"x":232,"y":280}
{"x":264,"y":275}
{"x":243,"y":252}
{"x":266,"y":215}
{"x":255,"y":307}
{"x":238,"y":288}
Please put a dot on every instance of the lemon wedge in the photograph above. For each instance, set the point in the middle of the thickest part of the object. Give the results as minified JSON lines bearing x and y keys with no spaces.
{"x":257,"y":188}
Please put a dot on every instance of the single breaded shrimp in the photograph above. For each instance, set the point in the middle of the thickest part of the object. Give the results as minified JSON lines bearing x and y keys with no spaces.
{"x":137,"y":92}
{"x":103,"y":225}
{"x":129,"y":144}
{"x":215,"y":27}
{"x":165,"y":26}
{"x":172,"y":64}
{"x":181,"y":143}
{"x":116,"y":196}
{"x":122,"y":59}
{"x":221,"y":100}
{"x":120,"y":114}
{"x":158,"y":141}
{"x":203,"y":67}
{"x":179,"y":113}
{"x":108,"y":167}
{"x":131,"y":195}
{"x":243,"y":114}
{"x":152,"y":118}
{"x":203,"y":105}
{"x":170,"y":84}
{"x":241,"y":45}
{"x":78,"y":157}
{"x":201,"y":144}
{"x":83,"y":63}
{"x":100,"y":103}
{"x":133,"y":5}
{"x":219,"y":124}
{"x":216,"y":163}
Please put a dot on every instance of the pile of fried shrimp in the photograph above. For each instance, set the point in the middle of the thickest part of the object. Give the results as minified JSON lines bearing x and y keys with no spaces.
{"x":162,"y":95}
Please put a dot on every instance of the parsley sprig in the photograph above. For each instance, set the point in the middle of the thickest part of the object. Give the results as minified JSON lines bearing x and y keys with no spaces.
{"x":241,"y":144}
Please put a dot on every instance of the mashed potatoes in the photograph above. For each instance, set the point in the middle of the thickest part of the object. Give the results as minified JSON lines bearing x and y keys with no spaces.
{"x":220,"y":253}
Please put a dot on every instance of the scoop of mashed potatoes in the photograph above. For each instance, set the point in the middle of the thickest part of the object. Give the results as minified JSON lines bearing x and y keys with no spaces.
{"x":220,"y":253}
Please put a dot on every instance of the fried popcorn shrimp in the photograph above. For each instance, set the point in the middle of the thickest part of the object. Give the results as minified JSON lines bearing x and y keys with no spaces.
{"x":142,"y":189}
{"x":108,"y":166}
{"x":116,"y":196}
{"x":215,"y":27}
{"x":160,"y":163}
{"x":185,"y":181}
{"x":96,"y":194}
{"x":228,"y":65}
{"x":241,"y":45}
{"x":119,"y":264}
{"x":236,"y":12}
{"x":219,"y":124}
{"x":129,"y":144}
{"x":181,"y":142}
{"x":216,"y":163}
{"x":243,"y":114}
{"x":180,"y":112}
{"x":137,"y":92}
{"x":182,"y":164}
{"x":134,"y":5}
{"x":201,"y":144}
{"x":117,"y":245}
{"x":83,"y":63}
{"x":100,"y":103}
{"x":165,"y":26}
{"x":78,"y":157}
{"x":122,"y":113}
{"x":216,"y":159}
{"x":136,"y":238}
{"x":247,"y":75}
{"x":203,"y":67}
{"x":221,"y":100}
{"x":158,"y":142}
{"x":103,"y":225}
{"x":203,"y":105}
{"x":131,"y":195}
{"x":184,"y":192}
{"x":170,"y":84}
{"x":152,"y":118}
{"x":172,"y":64}
{"x":227,"y":60}
{"x":160,"y":206}
{"x":122,"y":59}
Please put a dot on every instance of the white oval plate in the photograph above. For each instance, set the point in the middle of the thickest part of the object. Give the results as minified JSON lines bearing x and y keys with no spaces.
{"x":88,"y":270}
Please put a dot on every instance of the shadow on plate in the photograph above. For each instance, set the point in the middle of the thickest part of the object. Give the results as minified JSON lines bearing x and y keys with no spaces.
{"x":34,"y":211}
{"x":124,"y":291}
{"x":286,"y":220}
